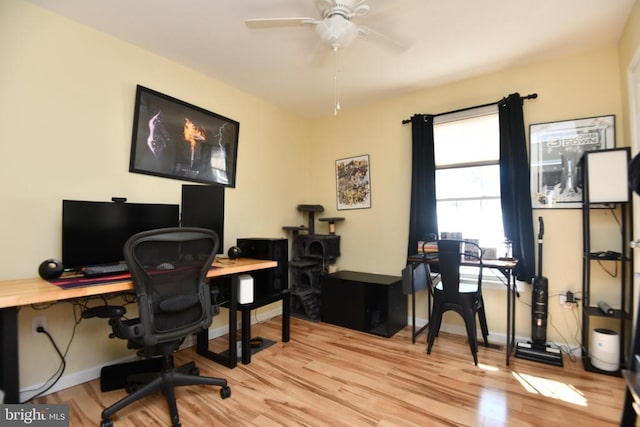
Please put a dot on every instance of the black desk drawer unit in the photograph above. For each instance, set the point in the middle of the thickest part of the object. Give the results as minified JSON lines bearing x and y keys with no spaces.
{"x":366,"y":302}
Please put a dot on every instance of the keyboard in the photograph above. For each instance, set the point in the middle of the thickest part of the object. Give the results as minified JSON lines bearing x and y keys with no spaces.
{"x":104,"y":269}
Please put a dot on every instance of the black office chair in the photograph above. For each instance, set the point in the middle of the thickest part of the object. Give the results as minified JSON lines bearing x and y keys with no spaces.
{"x":463,"y":298}
{"x":168,"y":267}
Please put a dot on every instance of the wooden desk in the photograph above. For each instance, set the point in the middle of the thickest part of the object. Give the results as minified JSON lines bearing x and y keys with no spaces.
{"x":16,"y":293}
{"x":506,"y":268}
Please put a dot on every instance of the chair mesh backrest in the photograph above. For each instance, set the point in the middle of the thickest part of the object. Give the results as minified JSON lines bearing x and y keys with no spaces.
{"x":451,"y":253}
{"x":168,"y":267}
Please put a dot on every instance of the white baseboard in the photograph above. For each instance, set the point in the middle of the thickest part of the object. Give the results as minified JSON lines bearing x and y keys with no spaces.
{"x":90,"y":374}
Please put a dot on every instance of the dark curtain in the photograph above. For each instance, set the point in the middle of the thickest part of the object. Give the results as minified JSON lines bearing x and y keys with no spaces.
{"x":515,"y":187}
{"x":422,"y":218}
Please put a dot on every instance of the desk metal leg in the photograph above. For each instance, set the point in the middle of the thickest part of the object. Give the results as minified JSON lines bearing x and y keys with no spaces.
{"x":514,"y":294}
{"x":413,"y":308}
{"x":286,"y":314}
{"x":511,"y":313}
{"x":413,"y":317}
{"x":246,"y":326}
{"x":9,"y":368}
{"x":246,"y":336}
{"x":202,"y":341}
{"x":233,"y":323}
{"x":414,"y":333}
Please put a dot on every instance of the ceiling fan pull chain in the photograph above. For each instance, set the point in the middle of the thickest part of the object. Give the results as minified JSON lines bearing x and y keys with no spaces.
{"x":336,"y":89}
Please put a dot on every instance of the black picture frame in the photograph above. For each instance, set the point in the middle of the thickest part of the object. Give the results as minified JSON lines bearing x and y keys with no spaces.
{"x":174,"y":139}
{"x":555,"y":152}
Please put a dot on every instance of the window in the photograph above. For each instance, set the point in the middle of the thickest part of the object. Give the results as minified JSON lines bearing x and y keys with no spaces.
{"x":467,"y":153}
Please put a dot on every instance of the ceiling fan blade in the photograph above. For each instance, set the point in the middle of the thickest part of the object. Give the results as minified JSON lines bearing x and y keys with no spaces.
{"x":370,"y":33}
{"x":279,"y":22}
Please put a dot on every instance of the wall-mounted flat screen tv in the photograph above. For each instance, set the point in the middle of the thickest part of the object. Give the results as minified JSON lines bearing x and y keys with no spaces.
{"x":174,"y":139}
{"x":94,"y":233}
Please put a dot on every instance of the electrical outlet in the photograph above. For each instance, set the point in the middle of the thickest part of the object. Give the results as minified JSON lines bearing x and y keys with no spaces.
{"x":571,"y":298}
{"x":563,"y":299}
{"x":38,"y":321}
{"x":568,"y":299}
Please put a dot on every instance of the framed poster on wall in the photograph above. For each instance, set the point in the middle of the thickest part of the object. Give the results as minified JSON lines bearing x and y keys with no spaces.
{"x":174,"y":139}
{"x":353,"y":183}
{"x":556,"y":151}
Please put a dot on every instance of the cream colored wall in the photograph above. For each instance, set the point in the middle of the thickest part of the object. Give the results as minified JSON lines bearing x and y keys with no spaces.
{"x":629,"y":46}
{"x":66,"y":114}
{"x":65,"y":123}
{"x":582,"y":85}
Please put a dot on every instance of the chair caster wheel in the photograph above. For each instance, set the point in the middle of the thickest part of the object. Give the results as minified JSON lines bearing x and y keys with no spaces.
{"x":194,"y":372}
{"x":106,"y":423}
{"x":225,"y":392}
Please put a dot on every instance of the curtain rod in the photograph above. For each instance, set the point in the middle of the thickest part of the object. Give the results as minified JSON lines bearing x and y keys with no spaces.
{"x":530,"y":96}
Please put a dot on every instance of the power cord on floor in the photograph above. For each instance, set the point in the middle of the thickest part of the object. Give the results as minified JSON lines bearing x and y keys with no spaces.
{"x":572,"y":302}
{"x":564,"y":348}
{"x":59,"y":371}
{"x":77,"y":305}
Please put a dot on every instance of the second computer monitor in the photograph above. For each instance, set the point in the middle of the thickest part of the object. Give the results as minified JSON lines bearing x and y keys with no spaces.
{"x":203,"y":206}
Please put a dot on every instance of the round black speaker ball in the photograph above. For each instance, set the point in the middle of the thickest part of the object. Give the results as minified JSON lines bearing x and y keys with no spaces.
{"x":50,"y":269}
{"x":234,"y":252}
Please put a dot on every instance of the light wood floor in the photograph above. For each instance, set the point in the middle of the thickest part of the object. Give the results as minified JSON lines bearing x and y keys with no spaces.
{"x":331,"y":376}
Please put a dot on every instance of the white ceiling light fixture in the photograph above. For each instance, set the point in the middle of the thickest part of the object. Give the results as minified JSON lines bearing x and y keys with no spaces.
{"x":337,"y":32}
{"x":336,"y":29}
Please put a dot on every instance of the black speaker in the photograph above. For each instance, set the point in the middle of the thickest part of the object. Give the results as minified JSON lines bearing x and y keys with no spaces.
{"x":234,"y":252}
{"x":273,"y":279}
{"x":50,"y":269}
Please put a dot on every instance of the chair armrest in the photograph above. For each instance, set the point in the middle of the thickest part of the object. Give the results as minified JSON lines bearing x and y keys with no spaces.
{"x":127,"y":328}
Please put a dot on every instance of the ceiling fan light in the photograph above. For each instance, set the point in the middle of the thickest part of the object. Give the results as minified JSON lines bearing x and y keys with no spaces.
{"x":337,"y":31}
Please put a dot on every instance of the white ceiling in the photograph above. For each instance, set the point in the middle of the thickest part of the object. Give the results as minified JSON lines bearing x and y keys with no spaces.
{"x":446,"y":40}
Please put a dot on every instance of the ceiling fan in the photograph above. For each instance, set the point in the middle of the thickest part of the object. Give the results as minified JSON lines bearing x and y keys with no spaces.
{"x":335,"y":28}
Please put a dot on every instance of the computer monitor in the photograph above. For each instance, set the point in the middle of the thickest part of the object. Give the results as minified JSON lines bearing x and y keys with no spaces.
{"x":203,"y":206}
{"x":95,"y":232}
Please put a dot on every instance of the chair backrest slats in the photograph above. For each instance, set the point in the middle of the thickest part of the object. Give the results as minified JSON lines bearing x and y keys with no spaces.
{"x":451,"y":254}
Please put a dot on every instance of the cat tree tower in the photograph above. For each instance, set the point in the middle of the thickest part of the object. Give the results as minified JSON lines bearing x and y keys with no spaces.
{"x":311,"y":257}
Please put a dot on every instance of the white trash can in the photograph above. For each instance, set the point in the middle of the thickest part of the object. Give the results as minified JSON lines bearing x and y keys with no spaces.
{"x":605,"y":349}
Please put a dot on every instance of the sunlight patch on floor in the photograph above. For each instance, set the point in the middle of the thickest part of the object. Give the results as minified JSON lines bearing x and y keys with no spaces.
{"x":551,"y":388}
{"x":488,"y":367}
{"x":493,"y":404}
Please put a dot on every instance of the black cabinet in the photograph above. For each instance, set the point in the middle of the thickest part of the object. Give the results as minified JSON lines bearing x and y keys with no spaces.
{"x":366,"y":302}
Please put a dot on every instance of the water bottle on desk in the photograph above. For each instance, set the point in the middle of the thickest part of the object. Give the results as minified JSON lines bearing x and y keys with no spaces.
{"x":506,"y":253}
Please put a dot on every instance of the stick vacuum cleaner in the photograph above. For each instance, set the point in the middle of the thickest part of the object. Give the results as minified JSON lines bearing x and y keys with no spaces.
{"x":537,"y":350}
